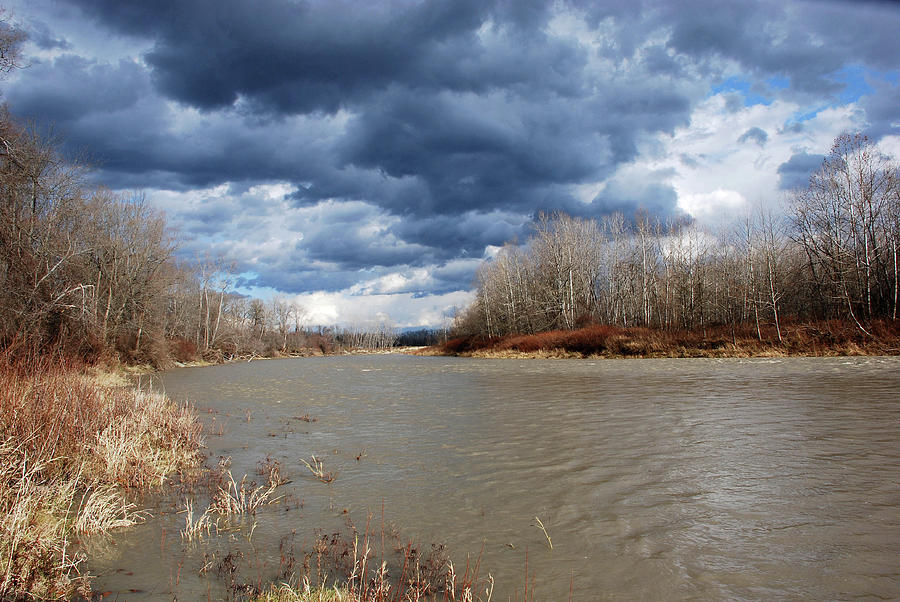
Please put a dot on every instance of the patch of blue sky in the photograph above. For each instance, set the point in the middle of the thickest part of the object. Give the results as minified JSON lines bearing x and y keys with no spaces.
{"x":856,"y":79}
{"x":801,"y":116}
{"x":244,"y":286}
{"x":744,"y":87}
{"x":778,"y":82}
{"x":855,"y":85}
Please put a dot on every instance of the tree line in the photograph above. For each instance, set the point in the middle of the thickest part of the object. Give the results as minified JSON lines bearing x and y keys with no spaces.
{"x":94,"y":273}
{"x":830,"y":253}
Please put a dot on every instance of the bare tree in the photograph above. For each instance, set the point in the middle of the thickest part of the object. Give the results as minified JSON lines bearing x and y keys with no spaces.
{"x":842,"y":220}
{"x":258,"y":316}
{"x":42,"y":238}
{"x":216,"y":278}
{"x":282,"y":313}
{"x":11,"y":39}
{"x":566,"y":254}
{"x":765,"y":247}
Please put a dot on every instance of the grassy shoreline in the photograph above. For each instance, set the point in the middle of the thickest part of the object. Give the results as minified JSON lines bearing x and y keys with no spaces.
{"x":79,"y":443}
{"x":74,"y":445}
{"x":823,"y":339}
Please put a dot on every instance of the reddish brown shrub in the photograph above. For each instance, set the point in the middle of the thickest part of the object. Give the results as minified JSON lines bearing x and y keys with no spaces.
{"x":183,"y":350}
{"x":591,"y":340}
{"x":526,"y":343}
{"x":469,"y":344}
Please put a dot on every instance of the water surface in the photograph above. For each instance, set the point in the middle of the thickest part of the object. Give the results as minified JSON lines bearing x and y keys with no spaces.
{"x":655,"y":479}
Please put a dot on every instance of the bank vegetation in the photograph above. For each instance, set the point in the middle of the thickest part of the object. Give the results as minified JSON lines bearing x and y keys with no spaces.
{"x":73,"y":454}
{"x":818,"y":275}
{"x":94,"y":274}
{"x":82,"y":274}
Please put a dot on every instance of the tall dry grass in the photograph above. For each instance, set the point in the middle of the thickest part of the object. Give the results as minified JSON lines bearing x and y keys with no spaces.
{"x":243,"y":498}
{"x":69,"y":448}
{"x":36,"y":557}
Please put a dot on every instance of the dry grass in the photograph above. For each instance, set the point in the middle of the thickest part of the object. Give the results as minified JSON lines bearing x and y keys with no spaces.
{"x":304,"y":592}
{"x":103,"y":508}
{"x":195,"y":529}
{"x":35,"y":556}
{"x":317,"y":468}
{"x":69,"y":446}
{"x":241,"y":499}
{"x":148,"y":444}
{"x":271,"y":470}
{"x":540,"y":525}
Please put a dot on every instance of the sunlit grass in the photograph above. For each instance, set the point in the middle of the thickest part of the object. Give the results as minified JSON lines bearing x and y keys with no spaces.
{"x":69,"y":449}
{"x":195,"y":529}
{"x":317,"y":468}
{"x":243,"y":498}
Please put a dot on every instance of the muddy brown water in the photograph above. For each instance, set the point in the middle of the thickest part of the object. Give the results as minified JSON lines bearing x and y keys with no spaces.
{"x":655,"y":479}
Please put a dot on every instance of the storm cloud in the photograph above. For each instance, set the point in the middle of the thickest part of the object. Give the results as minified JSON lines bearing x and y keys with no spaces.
{"x":321,"y":144}
{"x":794,"y":173}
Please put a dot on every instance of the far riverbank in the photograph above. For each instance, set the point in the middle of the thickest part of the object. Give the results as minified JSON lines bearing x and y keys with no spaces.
{"x":823,"y":339}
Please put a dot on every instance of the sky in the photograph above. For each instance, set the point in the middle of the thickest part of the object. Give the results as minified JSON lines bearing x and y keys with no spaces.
{"x":362,"y":158}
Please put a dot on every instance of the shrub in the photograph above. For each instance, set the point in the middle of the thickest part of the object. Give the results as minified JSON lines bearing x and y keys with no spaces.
{"x":183,"y":350}
{"x":68,"y":444}
{"x":469,"y":343}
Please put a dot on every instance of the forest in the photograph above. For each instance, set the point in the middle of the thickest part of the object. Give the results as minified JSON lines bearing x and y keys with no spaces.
{"x":826,"y":259}
{"x":95,"y":274}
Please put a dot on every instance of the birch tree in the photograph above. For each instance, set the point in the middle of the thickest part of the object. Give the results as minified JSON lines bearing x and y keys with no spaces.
{"x":843,"y":220}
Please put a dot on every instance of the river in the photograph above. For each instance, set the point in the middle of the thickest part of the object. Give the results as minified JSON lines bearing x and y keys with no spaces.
{"x":654,"y":479}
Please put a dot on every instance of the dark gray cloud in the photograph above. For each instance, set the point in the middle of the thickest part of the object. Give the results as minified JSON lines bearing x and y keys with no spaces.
{"x":806,"y":42}
{"x":478,"y":152}
{"x":359,"y":246}
{"x":881,"y":110}
{"x":71,"y":87}
{"x":42,"y":36}
{"x":417,"y":133}
{"x":463,"y":235}
{"x":795,"y":172}
{"x":757,"y":135}
{"x":304,"y":56}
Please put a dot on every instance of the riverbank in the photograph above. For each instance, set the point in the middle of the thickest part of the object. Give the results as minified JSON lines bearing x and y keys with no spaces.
{"x":76,"y":446}
{"x":822,"y":339}
{"x":277,"y":355}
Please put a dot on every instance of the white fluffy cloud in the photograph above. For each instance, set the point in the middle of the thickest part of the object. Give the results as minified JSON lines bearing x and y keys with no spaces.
{"x":402,"y":310}
{"x":729,"y":155}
